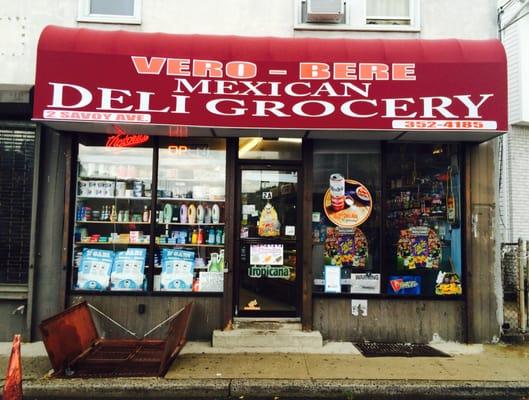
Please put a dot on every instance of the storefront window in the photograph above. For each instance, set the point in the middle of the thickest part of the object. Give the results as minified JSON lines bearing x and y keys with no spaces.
{"x":142,"y":228}
{"x":423,"y":220}
{"x":112,"y":217}
{"x":190,"y":216}
{"x":416,"y":250}
{"x":346,"y":217}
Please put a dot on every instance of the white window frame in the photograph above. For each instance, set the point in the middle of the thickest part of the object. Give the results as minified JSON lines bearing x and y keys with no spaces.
{"x":84,"y":15}
{"x":356,"y":18}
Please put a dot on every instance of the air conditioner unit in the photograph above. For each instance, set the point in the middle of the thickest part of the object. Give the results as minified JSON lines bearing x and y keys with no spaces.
{"x":329,"y":11}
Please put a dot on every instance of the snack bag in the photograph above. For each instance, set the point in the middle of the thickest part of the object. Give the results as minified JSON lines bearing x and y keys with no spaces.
{"x":94,"y":269}
{"x":128,"y":269}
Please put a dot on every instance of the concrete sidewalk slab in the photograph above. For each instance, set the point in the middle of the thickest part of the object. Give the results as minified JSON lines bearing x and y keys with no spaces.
{"x":200,"y":372}
{"x":247,"y":366}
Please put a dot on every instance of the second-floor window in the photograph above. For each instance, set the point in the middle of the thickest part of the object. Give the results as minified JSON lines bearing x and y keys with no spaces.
{"x":115,"y":11}
{"x":358,"y":14}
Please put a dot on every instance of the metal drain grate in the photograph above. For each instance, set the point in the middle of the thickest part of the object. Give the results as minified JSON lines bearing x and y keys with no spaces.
{"x":369,"y":349}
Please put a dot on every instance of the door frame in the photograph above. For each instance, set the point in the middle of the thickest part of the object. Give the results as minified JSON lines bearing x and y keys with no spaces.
{"x":272,"y":165}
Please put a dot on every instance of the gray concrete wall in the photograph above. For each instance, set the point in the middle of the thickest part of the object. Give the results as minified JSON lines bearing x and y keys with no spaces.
{"x":12,"y":323}
{"x":49,"y":272}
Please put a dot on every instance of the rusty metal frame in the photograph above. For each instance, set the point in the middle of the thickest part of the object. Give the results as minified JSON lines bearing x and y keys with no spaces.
{"x":76,"y":349}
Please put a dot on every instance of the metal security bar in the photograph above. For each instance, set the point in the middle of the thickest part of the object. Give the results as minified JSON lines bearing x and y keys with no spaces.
{"x":17,"y":151}
{"x":514,"y":260}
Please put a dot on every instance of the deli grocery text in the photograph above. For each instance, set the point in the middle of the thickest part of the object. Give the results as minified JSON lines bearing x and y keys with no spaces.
{"x":228,"y":90}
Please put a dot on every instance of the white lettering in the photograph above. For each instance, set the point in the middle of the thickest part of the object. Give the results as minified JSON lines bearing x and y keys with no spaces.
{"x":328,"y":108}
{"x":57,"y":99}
{"x":145,"y":100}
{"x":347,"y":110}
{"x":441,"y":108}
{"x":180,"y":104}
{"x":391,"y":108}
{"x":107,"y":99}
{"x":203,"y":83}
{"x":471,"y":107}
{"x":274,"y":107}
{"x":289,"y":89}
{"x":212,"y":107}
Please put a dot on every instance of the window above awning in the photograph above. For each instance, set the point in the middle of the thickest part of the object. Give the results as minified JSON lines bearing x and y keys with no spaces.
{"x":153,"y":79}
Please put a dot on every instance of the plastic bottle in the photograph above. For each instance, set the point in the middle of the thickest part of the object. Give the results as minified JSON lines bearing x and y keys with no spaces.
{"x":145,"y":217}
{"x":113,"y":214}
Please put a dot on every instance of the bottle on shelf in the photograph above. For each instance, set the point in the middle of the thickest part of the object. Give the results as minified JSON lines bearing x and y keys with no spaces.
{"x":113,"y":214}
{"x":211,"y":236}
{"x":221,"y":261}
{"x":146,"y":214}
{"x":194,"y":237}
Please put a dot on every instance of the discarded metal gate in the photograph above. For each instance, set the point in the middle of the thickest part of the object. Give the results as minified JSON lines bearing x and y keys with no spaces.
{"x":76,"y":350}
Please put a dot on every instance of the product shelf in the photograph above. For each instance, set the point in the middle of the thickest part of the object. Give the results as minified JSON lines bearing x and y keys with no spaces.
{"x":113,"y":223}
{"x":186,"y":224}
{"x":189,"y":245}
{"x":179,"y":199}
{"x":112,"y":198}
{"x":111,"y":244}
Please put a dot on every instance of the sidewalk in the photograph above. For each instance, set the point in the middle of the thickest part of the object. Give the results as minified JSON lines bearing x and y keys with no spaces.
{"x":337,"y":371}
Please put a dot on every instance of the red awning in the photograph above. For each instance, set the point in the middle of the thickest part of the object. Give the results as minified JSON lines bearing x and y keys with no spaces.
{"x":124,"y":77}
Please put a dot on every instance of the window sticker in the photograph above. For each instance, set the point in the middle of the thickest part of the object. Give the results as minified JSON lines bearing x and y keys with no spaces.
{"x":405,"y":285}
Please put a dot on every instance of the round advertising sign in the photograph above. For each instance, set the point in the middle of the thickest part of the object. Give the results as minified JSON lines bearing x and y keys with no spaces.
{"x":347,"y":203}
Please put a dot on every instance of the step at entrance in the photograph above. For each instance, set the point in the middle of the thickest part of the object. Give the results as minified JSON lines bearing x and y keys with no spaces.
{"x":266,"y":334}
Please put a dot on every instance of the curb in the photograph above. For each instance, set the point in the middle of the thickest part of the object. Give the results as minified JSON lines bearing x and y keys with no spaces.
{"x":127,"y":388}
{"x":161,"y":389}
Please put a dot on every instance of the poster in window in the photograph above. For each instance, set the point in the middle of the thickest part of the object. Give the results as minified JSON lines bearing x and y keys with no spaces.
{"x":347,"y":203}
{"x":418,"y":247}
{"x":345,"y":248}
{"x":332,"y":279}
{"x":269,"y":225}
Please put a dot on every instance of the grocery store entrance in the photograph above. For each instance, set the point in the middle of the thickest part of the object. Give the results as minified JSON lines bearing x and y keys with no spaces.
{"x":268,"y":265}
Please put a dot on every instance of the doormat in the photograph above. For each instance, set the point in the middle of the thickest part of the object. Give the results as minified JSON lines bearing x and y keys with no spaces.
{"x":369,"y":349}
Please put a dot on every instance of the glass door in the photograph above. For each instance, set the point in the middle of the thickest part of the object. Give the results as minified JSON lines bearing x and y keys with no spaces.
{"x":268,"y":267}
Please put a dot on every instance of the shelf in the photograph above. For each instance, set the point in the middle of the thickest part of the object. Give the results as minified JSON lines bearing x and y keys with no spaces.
{"x":113,"y":198}
{"x":111,"y":178}
{"x":190,"y":179}
{"x":113,"y":223}
{"x":189,"y":245}
{"x":190,"y":199}
{"x":110,"y":244}
{"x":183,"y":224}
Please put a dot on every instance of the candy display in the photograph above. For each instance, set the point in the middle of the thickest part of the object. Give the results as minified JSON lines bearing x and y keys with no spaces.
{"x":346,"y":248}
{"x":418,"y":247}
{"x":448,"y":284}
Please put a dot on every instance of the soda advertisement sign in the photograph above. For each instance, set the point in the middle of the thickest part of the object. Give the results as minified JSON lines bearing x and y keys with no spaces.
{"x":248,"y":82}
{"x":347,"y":203}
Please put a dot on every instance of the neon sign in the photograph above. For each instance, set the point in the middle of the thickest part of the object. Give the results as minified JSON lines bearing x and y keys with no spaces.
{"x":123,"y":139}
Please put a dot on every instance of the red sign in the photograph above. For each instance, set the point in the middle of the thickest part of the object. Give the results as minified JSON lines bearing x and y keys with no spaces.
{"x":123,"y":139}
{"x":248,"y":82}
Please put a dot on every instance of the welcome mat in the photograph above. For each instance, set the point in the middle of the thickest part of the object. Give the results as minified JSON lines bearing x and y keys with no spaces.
{"x":369,"y":349}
